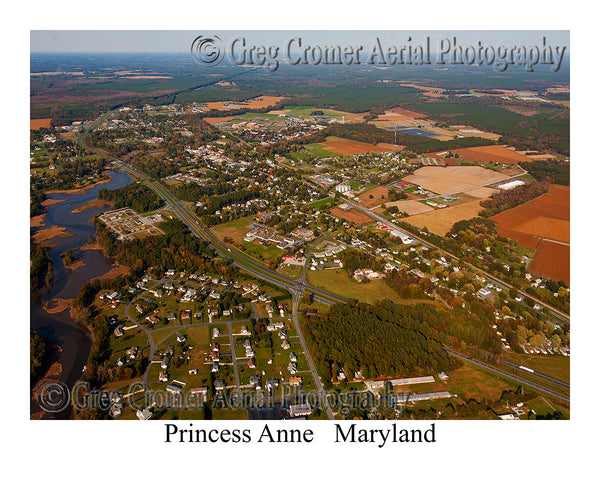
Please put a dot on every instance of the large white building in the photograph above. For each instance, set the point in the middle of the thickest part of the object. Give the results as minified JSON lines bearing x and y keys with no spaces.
{"x":342,"y":187}
{"x":511,"y":185}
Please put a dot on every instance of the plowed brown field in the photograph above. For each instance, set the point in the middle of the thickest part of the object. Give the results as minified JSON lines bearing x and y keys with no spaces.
{"x":351,"y":215}
{"x":492,"y":153}
{"x":541,"y":223}
{"x":343,"y":146}
{"x":552,"y":261}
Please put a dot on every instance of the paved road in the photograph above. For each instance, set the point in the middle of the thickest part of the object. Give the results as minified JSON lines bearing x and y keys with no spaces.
{"x":490,"y":278}
{"x":296,"y":288}
{"x":509,"y":375}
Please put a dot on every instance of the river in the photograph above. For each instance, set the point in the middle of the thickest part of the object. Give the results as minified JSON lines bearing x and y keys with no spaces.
{"x":59,"y":328}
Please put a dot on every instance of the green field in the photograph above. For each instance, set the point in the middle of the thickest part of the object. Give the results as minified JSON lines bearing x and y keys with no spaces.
{"x":319,"y":204}
{"x":337,"y":282}
{"x":554,"y":366}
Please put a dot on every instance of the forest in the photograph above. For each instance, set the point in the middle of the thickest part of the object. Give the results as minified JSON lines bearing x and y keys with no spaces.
{"x":381,"y":340}
{"x":135,"y":195}
{"x":552,"y":171}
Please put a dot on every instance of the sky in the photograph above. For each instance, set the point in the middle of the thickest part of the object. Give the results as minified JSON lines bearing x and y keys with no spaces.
{"x":158,"y":41}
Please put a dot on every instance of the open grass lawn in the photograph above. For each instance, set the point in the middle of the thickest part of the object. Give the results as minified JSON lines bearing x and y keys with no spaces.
{"x":292,"y":271}
{"x":555,"y":366}
{"x":162,"y":333}
{"x":337,"y":282}
{"x":544,"y":405}
{"x":320,"y":204}
{"x":470,"y":381}
{"x":319,"y":150}
{"x":235,"y":229}
{"x":265,"y":254}
{"x":118,"y":346}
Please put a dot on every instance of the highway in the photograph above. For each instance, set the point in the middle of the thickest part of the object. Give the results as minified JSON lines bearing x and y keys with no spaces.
{"x":295,"y":287}
{"x":511,"y":376}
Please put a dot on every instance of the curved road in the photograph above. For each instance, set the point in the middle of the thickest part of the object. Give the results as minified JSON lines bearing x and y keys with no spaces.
{"x":295,"y":287}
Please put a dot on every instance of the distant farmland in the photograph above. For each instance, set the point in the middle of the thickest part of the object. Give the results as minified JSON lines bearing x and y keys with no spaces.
{"x":492,"y":153}
{"x":36,"y":124}
{"x":544,"y":224}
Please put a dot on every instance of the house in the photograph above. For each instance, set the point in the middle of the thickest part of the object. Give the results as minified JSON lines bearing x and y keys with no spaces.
{"x":202,"y":391}
{"x":300,"y":410}
{"x":193,"y":372}
{"x":252,"y":362}
{"x":165,"y":363}
{"x":121,"y":361}
{"x":282,"y":334}
{"x":215,"y":347}
{"x":172,"y":317}
{"x":443,"y":376}
{"x":245,"y":331}
{"x":163,"y":377}
{"x":181,"y":338}
{"x":153,"y":319}
{"x":119,"y":331}
{"x":295,"y":381}
{"x":219,"y":385}
{"x":215,"y":367}
{"x":255,"y":381}
{"x":292,"y":368}
{"x":144,"y":414}
{"x":216,"y":332}
{"x":175,"y":388}
{"x":271,"y":384}
{"x":132,"y":352}
{"x":293,"y":357}
{"x":285,"y":344}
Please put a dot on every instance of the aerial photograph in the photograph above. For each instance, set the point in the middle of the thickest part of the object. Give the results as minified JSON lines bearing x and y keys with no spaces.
{"x":300,"y":225}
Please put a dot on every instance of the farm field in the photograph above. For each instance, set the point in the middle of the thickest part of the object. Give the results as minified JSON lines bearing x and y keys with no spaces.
{"x":441,"y":221}
{"x":263,"y":101}
{"x":36,"y":124}
{"x":533,"y":223}
{"x":343,"y":146}
{"x":492,"y":153}
{"x":450,"y":180}
{"x":411,"y":207}
{"x":552,"y":261}
{"x":351,"y":215}
{"x":374,"y":197}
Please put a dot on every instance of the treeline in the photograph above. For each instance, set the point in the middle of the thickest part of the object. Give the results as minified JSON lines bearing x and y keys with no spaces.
{"x":507,"y":199}
{"x":35,"y":205}
{"x":216,"y":203}
{"x":39,"y":348}
{"x":551,"y":171}
{"x":366,"y":132}
{"x":354,"y":259}
{"x":135,"y":195}
{"x":373,"y":340}
{"x":177,"y":249}
{"x":41,"y":272}
{"x":156,"y":167}
{"x":191,"y":192}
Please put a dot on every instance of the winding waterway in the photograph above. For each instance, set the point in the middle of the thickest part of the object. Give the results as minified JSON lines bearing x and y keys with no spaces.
{"x":60,"y":328}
